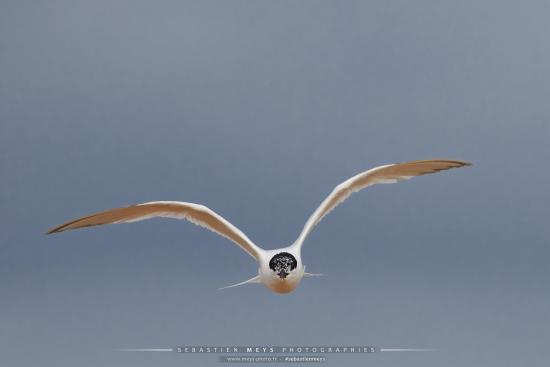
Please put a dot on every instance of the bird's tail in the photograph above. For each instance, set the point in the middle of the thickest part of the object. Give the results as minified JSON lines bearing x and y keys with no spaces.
{"x":306,"y":274}
{"x":256,"y":279}
{"x":312,"y":275}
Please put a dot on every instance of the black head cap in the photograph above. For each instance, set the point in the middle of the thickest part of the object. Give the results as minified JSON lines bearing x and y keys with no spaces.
{"x":282,"y":264}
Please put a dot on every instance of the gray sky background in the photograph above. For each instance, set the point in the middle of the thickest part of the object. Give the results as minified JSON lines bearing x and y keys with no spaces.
{"x":258,"y":109}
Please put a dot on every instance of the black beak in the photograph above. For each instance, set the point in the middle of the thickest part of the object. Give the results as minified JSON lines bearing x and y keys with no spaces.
{"x":282,"y":274}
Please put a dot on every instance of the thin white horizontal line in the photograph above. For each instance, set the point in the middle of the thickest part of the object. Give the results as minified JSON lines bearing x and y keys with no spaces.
{"x":405,"y":350}
{"x":146,"y":350}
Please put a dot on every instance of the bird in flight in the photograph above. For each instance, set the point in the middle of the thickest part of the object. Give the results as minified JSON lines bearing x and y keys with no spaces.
{"x":280,"y":270}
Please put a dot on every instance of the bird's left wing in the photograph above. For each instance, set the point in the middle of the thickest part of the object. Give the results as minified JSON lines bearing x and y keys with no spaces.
{"x":390,"y":173}
{"x":195,"y":213}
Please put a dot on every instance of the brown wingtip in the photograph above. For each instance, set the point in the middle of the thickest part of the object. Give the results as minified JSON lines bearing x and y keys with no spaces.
{"x":461,"y":162}
{"x":458,"y":161}
{"x":58,"y":229}
{"x":51,"y":231}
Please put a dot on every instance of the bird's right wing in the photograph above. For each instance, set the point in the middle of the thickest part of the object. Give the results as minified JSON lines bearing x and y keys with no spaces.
{"x":390,"y":173}
{"x":195,"y":213}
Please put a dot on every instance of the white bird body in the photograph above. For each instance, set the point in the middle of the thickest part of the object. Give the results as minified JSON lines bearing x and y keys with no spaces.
{"x":280,"y":270}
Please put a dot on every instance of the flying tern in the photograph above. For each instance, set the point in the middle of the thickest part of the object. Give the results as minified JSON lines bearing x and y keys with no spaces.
{"x":280,"y":270}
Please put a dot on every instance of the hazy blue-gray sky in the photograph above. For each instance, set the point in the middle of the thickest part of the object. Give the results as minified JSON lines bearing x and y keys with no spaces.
{"x":257,"y":109}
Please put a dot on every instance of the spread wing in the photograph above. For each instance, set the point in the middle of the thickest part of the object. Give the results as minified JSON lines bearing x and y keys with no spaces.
{"x":197,"y":214}
{"x":390,"y":173}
